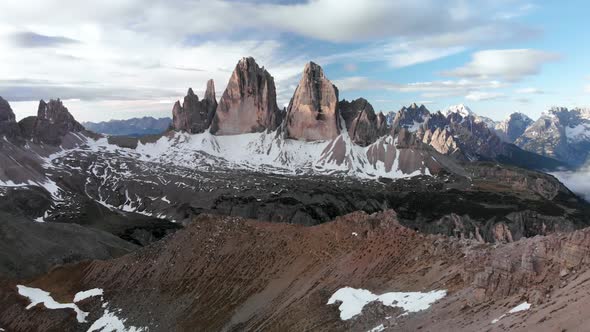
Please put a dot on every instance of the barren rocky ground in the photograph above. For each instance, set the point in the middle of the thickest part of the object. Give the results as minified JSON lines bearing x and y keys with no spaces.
{"x":234,"y":274}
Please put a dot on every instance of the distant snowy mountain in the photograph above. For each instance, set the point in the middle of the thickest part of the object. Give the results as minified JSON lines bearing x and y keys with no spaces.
{"x":130,"y":127}
{"x":465,"y":112}
{"x":561,"y":134}
{"x":513,"y":126}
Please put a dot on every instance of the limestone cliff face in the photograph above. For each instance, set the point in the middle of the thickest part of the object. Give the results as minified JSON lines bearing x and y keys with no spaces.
{"x":363,"y":125}
{"x":249,"y":103}
{"x":8,"y":126}
{"x":53,"y":121}
{"x":194,"y":115}
{"x":313,"y":113}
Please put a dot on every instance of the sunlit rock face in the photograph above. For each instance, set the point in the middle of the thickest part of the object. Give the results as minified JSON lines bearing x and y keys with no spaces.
{"x":249,"y":103}
{"x":313,"y":113}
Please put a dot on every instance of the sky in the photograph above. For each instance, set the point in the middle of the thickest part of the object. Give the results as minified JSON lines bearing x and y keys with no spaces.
{"x":117,"y":59}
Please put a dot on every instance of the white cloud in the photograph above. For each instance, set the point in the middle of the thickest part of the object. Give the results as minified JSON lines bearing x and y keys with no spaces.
{"x":433,"y":89}
{"x":530,"y":91}
{"x":142,"y":50}
{"x":409,"y":58}
{"x":480,"y":96}
{"x":576,"y":181}
{"x":587,"y":88}
{"x":510,"y":65}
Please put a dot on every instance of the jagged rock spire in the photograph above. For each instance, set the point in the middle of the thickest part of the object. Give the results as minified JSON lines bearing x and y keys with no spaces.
{"x":313,"y":111}
{"x":363,"y":125}
{"x":194,"y":115}
{"x":8,"y":126}
{"x":249,"y":103}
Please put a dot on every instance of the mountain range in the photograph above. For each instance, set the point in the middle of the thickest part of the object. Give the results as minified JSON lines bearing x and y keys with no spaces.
{"x":135,"y":127}
{"x":245,"y":216}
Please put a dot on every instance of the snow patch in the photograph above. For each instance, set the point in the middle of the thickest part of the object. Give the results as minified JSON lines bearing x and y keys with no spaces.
{"x":87,"y":294}
{"x":36,"y":296}
{"x":578,"y":133}
{"x":377,"y":328}
{"x":521,"y":307}
{"x":109,"y":322}
{"x":353,"y":300}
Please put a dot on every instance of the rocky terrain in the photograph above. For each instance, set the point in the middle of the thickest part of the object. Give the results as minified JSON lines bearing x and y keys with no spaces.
{"x":230,"y":274}
{"x":242,"y":216}
{"x":561,"y":134}
{"x":135,"y":127}
{"x":249,"y":103}
{"x":313,"y":112}
{"x":195,"y":116}
{"x":511,"y":128}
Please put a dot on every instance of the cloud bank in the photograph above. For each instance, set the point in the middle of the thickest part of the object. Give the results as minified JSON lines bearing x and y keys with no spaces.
{"x":577,"y":181}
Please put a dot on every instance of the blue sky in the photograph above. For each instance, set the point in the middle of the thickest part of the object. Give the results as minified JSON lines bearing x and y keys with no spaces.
{"x":130,"y":58}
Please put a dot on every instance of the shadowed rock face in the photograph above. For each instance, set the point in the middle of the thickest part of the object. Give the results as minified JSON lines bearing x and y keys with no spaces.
{"x":410,"y":117}
{"x":363,"y":125}
{"x":249,"y":103}
{"x":8,"y":125}
{"x":313,"y":111}
{"x":514,"y":126}
{"x":195,"y":116}
{"x":52,"y":122}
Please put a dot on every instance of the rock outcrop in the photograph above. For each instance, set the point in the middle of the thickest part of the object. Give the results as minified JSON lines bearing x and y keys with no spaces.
{"x":363,"y":125}
{"x":512,"y":127}
{"x":53,"y":121}
{"x":195,"y":116}
{"x":249,"y":103}
{"x":8,"y":126}
{"x":313,"y":112}
{"x":561,"y":134}
{"x":411,"y":118}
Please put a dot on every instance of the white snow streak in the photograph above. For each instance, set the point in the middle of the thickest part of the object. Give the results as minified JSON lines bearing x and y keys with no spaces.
{"x":37,"y":296}
{"x":353,"y":300}
{"x":86,"y":294}
{"x":521,"y":307}
{"x":109,"y":322}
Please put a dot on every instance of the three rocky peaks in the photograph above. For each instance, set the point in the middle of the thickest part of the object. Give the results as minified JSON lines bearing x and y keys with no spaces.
{"x":53,"y":121}
{"x":249,"y":105}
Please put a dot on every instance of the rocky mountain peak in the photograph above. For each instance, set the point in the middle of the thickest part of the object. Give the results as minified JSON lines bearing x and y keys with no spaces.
{"x":460,"y":109}
{"x":411,"y":118}
{"x":559,"y":133}
{"x":210,"y":92}
{"x":191,"y":93}
{"x":313,"y":111}
{"x":363,"y":125}
{"x":249,"y":103}
{"x":513,"y":126}
{"x":53,"y":121}
{"x":8,"y":126}
{"x":6,"y":113}
{"x":194,"y":115}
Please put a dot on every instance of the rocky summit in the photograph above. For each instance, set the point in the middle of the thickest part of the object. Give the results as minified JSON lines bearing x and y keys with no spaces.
{"x":53,"y":121}
{"x":313,"y":112}
{"x":249,"y":103}
{"x":194,"y":116}
{"x":561,"y":134}
{"x":513,"y":126}
{"x":8,"y":126}
{"x":363,"y":125}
